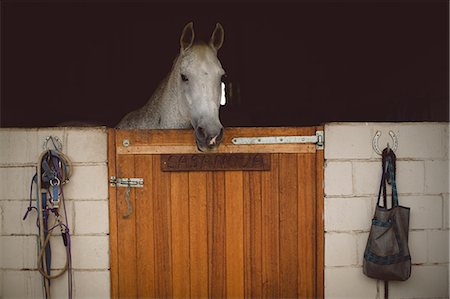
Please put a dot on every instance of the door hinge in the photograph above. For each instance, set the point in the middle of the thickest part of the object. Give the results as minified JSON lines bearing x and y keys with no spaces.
{"x":126,"y":182}
{"x":317,"y":139}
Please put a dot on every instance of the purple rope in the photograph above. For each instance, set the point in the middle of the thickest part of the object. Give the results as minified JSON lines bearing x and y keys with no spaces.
{"x":68,"y":248}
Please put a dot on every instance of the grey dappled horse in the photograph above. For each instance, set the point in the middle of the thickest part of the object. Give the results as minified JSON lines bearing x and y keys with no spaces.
{"x":189,"y":95}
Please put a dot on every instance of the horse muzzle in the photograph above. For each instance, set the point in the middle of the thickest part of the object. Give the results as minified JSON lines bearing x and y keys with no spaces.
{"x":208,"y":140}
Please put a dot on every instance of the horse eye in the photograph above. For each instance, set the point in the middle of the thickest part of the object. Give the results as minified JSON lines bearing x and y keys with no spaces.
{"x":184,"y":78}
{"x":224,"y":78}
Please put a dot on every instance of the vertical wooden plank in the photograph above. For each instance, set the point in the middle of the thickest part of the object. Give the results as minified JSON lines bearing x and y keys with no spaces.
{"x":270,"y":230}
{"x":145,"y":244}
{"x":113,"y":254}
{"x":253,"y":234}
{"x":234,"y":211}
{"x":288,"y":226}
{"x":307,"y":226}
{"x":161,"y":224}
{"x":180,"y":234}
{"x":247,"y":237}
{"x":216,"y":234}
{"x":126,"y":232}
{"x":198,"y":229}
{"x":320,"y":230}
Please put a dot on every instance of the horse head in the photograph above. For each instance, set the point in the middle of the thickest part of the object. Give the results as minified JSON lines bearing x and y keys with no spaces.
{"x":200,"y":76}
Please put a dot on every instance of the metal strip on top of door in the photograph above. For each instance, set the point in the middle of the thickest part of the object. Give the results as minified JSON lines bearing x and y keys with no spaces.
{"x":236,"y":140}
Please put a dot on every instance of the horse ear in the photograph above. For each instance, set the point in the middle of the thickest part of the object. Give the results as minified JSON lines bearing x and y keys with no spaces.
{"x":187,"y":36}
{"x":216,"y":40}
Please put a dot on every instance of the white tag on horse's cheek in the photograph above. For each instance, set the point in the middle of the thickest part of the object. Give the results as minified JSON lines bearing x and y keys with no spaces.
{"x":223,"y":99}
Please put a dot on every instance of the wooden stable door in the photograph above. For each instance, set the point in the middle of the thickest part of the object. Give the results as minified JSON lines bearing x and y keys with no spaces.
{"x":244,"y":221}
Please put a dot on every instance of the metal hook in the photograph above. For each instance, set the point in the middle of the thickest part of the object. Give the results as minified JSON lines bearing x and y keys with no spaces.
{"x":375,"y":146}
{"x":57,"y":144}
{"x":127,"y":200}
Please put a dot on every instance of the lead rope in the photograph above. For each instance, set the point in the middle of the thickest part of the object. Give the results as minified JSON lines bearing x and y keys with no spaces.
{"x":53,"y":170}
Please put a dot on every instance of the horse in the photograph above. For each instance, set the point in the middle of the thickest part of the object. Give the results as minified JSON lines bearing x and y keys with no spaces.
{"x":190,"y":94}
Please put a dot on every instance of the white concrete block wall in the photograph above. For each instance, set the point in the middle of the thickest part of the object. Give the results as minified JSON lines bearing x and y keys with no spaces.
{"x":352,"y":177}
{"x":87,"y":206}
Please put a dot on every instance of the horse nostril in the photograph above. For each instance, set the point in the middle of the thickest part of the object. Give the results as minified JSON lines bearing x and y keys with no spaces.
{"x":216,"y":139}
{"x":201,"y":132}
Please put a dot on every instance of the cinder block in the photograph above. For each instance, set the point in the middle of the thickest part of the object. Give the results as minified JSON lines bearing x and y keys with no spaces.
{"x":338,"y":178}
{"x":22,"y":284}
{"x":1,"y":280}
{"x":426,"y":211}
{"x":13,"y":223}
{"x":340,"y":249}
{"x":425,"y":282}
{"x":13,"y":212}
{"x":1,"y":222}
{"x":446,"y":138}
{"x":340,"y":214}
{"x":90,"y":252}
{"x":15,"y":284}
{"x":349,"y":282}
{"x":60,"y":287}
{"x":418,"y":246}
{"x":18,"y":146}
{"x":92,"y":284}
{"x":410,"y":177}
{"x":436,"y":177}
{"x":28,"y":284}
{"x":446,"y":211}
{"x":438,"y":246}
{"x":348,"y":141}
{"x":367,"y":177}
{"x":361,"y":241}
{"x":34,"y":284}
{"x":91,"y":217}
{"x":87,"y":145}
{"x":15,"y":182}
{"x":420,"y":141}
{"x":88,"y":182}
{"x":19,"y":252}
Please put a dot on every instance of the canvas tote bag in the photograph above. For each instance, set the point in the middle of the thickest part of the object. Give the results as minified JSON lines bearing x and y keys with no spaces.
{"x":387,"y":256}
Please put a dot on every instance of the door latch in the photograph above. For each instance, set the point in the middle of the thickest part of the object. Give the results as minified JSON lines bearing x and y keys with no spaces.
{"x":128,"y":183}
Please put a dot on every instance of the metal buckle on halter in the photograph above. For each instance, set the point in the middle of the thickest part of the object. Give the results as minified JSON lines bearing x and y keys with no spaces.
{"x":54,"y":183}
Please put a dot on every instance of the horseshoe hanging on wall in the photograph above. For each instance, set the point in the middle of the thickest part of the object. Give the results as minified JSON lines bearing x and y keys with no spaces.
{"x":375,"y":146}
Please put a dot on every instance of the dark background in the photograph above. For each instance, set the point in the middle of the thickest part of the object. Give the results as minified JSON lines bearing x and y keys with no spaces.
{"x":290,"y":62}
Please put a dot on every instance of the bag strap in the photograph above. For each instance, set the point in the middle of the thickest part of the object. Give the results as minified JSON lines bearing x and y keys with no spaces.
{"x":391,"y":178}
{"x":382,"y":185}
{"x":388,"y":177}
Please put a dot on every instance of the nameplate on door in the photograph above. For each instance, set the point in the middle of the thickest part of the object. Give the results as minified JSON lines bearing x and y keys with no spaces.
{"x":215,"y":162}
